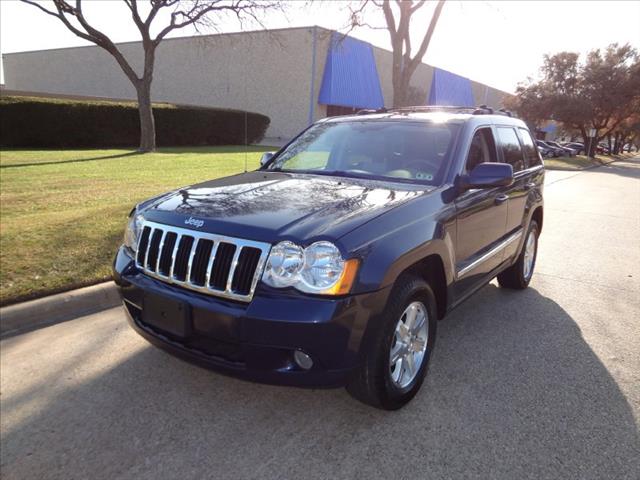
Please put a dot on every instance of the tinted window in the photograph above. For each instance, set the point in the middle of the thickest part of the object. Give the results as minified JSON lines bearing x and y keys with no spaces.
{"x":417,"y":151}
{"x":530,"y":150}
{"x":482,"y":149}
{"x":511,"y":148}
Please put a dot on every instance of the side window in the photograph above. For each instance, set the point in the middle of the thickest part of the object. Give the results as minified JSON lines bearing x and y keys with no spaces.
{"x":482,"y":149}
{"x":511,"y":148}
{"x":530,"y":149}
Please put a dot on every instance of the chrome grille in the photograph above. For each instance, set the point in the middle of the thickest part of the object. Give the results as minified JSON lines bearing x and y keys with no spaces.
{"x":208,"y":263}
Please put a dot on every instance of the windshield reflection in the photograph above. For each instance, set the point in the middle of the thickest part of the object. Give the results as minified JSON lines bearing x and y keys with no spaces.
{"x":379,"y":149}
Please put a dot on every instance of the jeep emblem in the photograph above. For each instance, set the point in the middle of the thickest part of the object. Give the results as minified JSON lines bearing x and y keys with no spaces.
{"x":193,"y":222}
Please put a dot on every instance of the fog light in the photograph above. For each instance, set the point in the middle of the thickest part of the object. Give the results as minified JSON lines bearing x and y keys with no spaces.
{"x":302,"y":359}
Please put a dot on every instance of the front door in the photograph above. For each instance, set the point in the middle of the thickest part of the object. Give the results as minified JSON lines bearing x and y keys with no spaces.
{"x":481,"y":220}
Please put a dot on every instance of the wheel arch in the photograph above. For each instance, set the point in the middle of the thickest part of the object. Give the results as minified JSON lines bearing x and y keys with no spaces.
{"x":431,"y":270}
{"x":538,"y":215}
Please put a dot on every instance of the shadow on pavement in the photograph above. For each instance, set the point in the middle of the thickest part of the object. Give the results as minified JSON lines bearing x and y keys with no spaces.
{"x":513,"y":392}
{"x":628,"y":167}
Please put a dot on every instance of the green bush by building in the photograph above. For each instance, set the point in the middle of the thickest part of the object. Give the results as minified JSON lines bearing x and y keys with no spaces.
{"x":61,"y":123}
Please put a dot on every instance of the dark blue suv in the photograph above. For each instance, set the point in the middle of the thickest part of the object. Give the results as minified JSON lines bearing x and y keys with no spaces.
{"x":332,"y":264}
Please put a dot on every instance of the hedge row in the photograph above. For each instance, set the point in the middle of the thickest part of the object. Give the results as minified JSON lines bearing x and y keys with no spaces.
{"x":61,"y":123}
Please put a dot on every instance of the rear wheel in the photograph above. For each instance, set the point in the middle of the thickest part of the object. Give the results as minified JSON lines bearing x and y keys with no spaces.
{"x":519,"y":274}
{"x":396,"y":364}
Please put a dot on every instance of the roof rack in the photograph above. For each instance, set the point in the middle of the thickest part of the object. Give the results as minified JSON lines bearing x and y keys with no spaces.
{"x":480,"y":110}
{"x":368,"y":111}
{"x":506,"y":112}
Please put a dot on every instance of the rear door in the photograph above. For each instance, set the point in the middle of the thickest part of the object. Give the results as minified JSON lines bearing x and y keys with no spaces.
{"x":481,"y":220}
{"x":511,"y":151}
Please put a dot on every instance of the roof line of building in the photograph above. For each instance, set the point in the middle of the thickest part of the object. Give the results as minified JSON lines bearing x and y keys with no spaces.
{"x":245,"y":32}
{"x":168,"y":39}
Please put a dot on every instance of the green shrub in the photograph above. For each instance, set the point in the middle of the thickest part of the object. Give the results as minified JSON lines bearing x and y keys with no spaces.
{"x":61,"y":123}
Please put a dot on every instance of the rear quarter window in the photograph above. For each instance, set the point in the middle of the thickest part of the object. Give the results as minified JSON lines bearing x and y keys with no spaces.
{"x":529,"y":147}
{"x":511,"y":149}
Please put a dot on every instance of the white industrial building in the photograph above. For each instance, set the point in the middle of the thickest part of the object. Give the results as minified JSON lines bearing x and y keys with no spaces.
{"x":293,"y":75}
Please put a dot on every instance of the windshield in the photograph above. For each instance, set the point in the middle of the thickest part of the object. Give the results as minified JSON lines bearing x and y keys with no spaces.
{"x":401,"y":150}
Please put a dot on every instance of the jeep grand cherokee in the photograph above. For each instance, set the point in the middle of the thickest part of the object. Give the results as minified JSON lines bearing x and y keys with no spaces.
{"x":332,"y":263}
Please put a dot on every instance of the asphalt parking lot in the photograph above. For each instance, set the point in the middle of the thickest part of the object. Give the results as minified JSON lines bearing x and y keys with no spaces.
{"x":539,"y":384}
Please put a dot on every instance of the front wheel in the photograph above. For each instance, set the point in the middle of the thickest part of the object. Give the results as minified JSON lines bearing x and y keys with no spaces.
{"x":519,"y":274}
{"x":396,"y":364}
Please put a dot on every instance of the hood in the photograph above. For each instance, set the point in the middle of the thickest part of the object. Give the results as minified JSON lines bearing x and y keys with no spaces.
{"x":273,"y":206}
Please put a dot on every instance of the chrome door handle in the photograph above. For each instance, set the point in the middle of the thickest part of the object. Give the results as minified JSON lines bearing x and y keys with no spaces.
{"x":501,"y":199}
{"x":529,"y":186}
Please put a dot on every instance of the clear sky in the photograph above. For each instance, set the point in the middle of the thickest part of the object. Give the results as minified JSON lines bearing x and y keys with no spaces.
{"x":496,"y":42}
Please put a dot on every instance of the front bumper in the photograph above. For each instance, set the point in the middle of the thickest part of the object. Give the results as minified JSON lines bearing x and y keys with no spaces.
{"x":256,"y":340}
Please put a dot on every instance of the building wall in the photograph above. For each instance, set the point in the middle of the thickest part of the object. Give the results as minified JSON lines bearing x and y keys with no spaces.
{"x":265,"y":72}
{"x":485,"y":95}
{"x":323,"y":40}
{"x":268,"y":72}
{"x":420,"y":81}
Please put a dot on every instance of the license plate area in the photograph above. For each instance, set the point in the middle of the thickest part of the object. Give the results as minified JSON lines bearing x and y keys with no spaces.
{"x":167,"y":315}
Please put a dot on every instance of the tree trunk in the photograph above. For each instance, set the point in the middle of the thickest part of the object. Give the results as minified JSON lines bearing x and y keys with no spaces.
{"x":147,"y":123}
{"x":620,"y":140}
{"x":401,"y":91}
{"x":591,"y":145}
{"x":585,"y":140}
{"x":398,"y":100}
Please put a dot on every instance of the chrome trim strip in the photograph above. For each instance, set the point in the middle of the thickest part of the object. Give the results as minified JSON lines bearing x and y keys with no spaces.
{"x":264,"y":248}
{"x":234,"y":264}
{"x":146,"y":253}
{"x":164,"y":235}
{"x":212,"y":258}
{"x":132,"y":303}
{"x":174,"y":253}
{"x":495,"y":250}
{"x":192,"y":253}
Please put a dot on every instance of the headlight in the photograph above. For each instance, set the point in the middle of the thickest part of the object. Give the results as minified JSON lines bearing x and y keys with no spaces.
{"x":284,"y":265}
{"x":132,"y":232}
{"x":319,"y":268}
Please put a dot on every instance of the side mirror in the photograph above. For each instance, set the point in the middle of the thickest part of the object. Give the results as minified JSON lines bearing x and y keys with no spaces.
{"x":487,"y":175}
{"x":266,"y":156}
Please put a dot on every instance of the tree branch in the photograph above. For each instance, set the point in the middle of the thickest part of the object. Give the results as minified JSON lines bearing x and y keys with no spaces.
{"x":391,"y":21}
{"x":37,"y":5}
{"x":200,"y":10}
{"x":133,"y":6}
{"x":427,"y":38}
{"x":105,"y":42}
{"x":417,"y":6}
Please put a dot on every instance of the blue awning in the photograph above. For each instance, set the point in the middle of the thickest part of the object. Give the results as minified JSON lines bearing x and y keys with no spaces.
{"x":450,"y":89}
{"x":350,"y":76}
{"x":549,"y":128}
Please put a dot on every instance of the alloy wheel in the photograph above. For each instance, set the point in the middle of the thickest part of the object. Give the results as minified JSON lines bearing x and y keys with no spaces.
{"x":529,"y":255}
{"x":409,"y":344}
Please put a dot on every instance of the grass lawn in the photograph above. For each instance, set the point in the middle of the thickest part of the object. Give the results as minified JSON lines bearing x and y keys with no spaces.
{"x":63,"y":213}
{"x":580,"y":162}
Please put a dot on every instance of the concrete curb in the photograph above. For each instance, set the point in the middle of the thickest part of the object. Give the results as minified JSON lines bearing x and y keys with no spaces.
{"x":41,"y":312}
{"x":590,"y":167}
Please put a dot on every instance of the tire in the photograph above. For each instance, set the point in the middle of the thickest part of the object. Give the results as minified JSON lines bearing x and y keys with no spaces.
{"x":374,"y":383}
{"x":516,"y":276}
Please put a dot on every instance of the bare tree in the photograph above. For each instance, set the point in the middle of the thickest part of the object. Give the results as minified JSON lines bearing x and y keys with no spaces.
{"x":398,"y":15}
{"x":183,"y":13}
